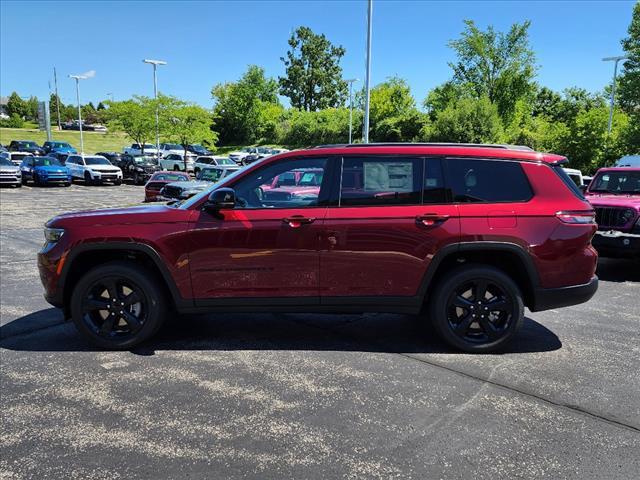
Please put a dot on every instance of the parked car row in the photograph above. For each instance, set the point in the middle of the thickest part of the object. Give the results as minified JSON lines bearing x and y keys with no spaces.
{"x":249,"y":155}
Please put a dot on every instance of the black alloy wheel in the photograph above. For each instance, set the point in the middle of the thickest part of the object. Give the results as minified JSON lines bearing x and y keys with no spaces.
{"x":479,"y":311}
{"x":477,"y":308}
{"x":118,"y":305}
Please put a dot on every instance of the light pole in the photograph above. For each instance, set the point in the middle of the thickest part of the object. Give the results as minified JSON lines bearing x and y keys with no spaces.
{"x":613,"y":87}
{"x":77,"y":78}
{"x":365,"y":133}
{"x":155,"y":64}
{"x":350,"y":82}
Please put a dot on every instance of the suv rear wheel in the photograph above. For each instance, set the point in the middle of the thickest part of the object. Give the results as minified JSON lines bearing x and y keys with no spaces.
{"x":118,"y":305}
{"x":477,"y":308}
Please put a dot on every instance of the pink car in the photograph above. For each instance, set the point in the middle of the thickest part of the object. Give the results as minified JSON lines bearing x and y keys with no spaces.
{"x":615,"y":194}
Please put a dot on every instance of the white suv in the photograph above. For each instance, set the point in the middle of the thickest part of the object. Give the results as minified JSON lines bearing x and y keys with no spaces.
{"x":169,"y":148}
{"x":175,"y":161}
{"x":205,"y":161}
{"x":93,"y":169}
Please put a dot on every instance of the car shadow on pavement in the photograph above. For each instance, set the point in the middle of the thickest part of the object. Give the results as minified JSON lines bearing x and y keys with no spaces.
{"x":367,"y":332}
{"x":618,"y":270}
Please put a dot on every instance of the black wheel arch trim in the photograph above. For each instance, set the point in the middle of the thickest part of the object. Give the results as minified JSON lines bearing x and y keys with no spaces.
{"x":178,"y":300}
{"x":477,"y":246}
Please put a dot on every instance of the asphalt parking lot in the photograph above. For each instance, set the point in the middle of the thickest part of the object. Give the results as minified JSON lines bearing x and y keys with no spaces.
{"x":308,"y":396}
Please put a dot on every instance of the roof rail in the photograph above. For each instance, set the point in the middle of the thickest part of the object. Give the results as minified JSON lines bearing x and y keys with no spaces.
{"x":404,"y":144}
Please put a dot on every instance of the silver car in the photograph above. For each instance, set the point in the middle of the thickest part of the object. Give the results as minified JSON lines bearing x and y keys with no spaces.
{"x":9,"y":173}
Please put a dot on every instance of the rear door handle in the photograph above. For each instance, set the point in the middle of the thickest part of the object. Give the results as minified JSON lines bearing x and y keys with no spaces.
{"x":296,"y":221}
{"x":431,"y":219}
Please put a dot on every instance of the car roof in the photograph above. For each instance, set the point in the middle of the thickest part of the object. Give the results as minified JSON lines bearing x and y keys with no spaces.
{"x":618,"y":169}
{"x":507,"y":152}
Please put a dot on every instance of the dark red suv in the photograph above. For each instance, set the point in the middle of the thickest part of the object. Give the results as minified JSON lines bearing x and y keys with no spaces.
{"x":465,"y":235}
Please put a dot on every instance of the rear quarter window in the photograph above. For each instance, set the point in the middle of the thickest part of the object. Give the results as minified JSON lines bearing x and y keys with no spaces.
{"x":564,"y":176}
{"x":487,"y":181}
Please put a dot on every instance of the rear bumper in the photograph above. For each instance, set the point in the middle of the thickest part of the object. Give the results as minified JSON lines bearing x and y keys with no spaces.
{"x":613,"y":243}
{"x":549,"y":298}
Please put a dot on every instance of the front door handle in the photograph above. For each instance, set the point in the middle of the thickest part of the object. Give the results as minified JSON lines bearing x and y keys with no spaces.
{"x":296,"y":221}
{"x":431,"y":219}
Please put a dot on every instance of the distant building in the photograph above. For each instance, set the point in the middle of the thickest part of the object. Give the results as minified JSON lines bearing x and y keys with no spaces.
{"x":3,"y":107}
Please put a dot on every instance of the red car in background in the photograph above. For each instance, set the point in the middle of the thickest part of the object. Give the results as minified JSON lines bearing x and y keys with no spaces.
{"x":159,"y":180}
{"x":615,"y":194}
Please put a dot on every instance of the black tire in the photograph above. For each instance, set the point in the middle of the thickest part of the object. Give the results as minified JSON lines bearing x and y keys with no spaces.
{"x":176,"y":168}
{"x":464,"y":317}
{"x":136,"y":178}
{"x":135,"y":318}
{"x":196,"y":172}
{"x":23,"y":181}
{"x":68,"y":184}
{"x":118,"y":182}
{"x":19,"y":185}
{"x":87,"y":179}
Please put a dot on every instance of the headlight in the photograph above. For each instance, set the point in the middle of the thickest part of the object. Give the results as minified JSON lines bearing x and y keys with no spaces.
{"x":52,"y":235}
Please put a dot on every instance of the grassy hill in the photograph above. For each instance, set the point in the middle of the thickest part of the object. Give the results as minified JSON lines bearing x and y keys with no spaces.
{"x":93,"y":142}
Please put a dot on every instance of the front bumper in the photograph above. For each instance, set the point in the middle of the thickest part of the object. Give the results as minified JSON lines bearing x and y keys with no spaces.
{"x":10,"y":179}
{"x":549,"y":298}
{"x":616,"y":244}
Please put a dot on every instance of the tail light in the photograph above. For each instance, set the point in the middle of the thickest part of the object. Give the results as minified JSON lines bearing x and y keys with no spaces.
{"x":580,"y":217}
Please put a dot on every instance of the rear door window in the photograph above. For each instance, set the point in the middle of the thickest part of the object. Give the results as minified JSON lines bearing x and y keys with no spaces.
{"x":377,"y":180}
{"x":487,"y":181}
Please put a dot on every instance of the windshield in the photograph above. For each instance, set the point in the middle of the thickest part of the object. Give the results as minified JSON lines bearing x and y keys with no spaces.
{"x":27,"y":144}
{"x":46,"y":162}
{"x":96,"y":161}
{"x":145,"y":160}
{"x":4,"y":161}
{"x":205,"y":193}
{"x":226,"y":161}
{"x":60,"y":145}
{"x":211,"y":174}
{"x":617,"y":182}
{"x":170,"y":177}
{"x":173,"y":146}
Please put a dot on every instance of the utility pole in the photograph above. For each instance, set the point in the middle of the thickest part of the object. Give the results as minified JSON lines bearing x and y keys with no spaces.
{"x":367,"y":94}
{"x":613,"y":87}
{"x":155,"y":64}
{"x":350,"y":82}
{"x":55,"y":81}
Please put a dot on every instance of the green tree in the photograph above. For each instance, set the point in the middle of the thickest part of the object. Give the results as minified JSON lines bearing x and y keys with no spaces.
{"x":495,"y":65}
{"x":629,"y":80}
{"x":239,"y":106}
{"x":331,"y":125}
{"x":442,"y":96}
{"x":186,"y":123}
{"x":32,"y":108}
{"x":586,"y":141}
{"x":393,"y":113}
{"x":17,"y":106}
{"x":467,"y":121}
{"x":313,"y":77}
{"x":135,"y":117}
{"x":548,"y":104}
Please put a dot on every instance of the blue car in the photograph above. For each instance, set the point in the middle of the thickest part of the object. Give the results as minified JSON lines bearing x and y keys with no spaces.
{"x":62,"y":147}
{"x":44,"y":171}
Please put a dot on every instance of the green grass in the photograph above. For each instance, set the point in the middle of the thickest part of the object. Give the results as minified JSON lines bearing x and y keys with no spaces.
{"x":93,"y":142}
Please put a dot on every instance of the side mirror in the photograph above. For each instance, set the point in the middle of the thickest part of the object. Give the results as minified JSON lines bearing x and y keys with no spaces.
{"x":221,"y":199}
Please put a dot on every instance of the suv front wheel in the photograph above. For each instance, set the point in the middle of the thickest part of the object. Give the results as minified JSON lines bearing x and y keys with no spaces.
{"x":118,"y":305}
{"x":477,"y":308}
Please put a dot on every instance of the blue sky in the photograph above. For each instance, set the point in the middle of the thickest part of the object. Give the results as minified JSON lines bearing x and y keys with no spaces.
{"x":210,"y":42}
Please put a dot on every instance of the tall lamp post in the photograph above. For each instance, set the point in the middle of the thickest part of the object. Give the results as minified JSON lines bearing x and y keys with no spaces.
{"x":350,"y":82}
{"x":365,"y":133}
{"x":77,"y":78}
{"x":613,"y":87}
{"x":155,"y":64}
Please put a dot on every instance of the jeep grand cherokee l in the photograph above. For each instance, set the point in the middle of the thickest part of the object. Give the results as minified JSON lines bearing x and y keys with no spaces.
{"x":465,"y":236}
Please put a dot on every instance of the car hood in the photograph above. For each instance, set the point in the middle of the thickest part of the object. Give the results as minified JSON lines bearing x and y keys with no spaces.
{"x":138,"y":215}
{"x":623,"y":200}
{"x":51,"y":168}
{"x":105,"y":168}
{"x":190,"y":184}
{"x":8,"y":169}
